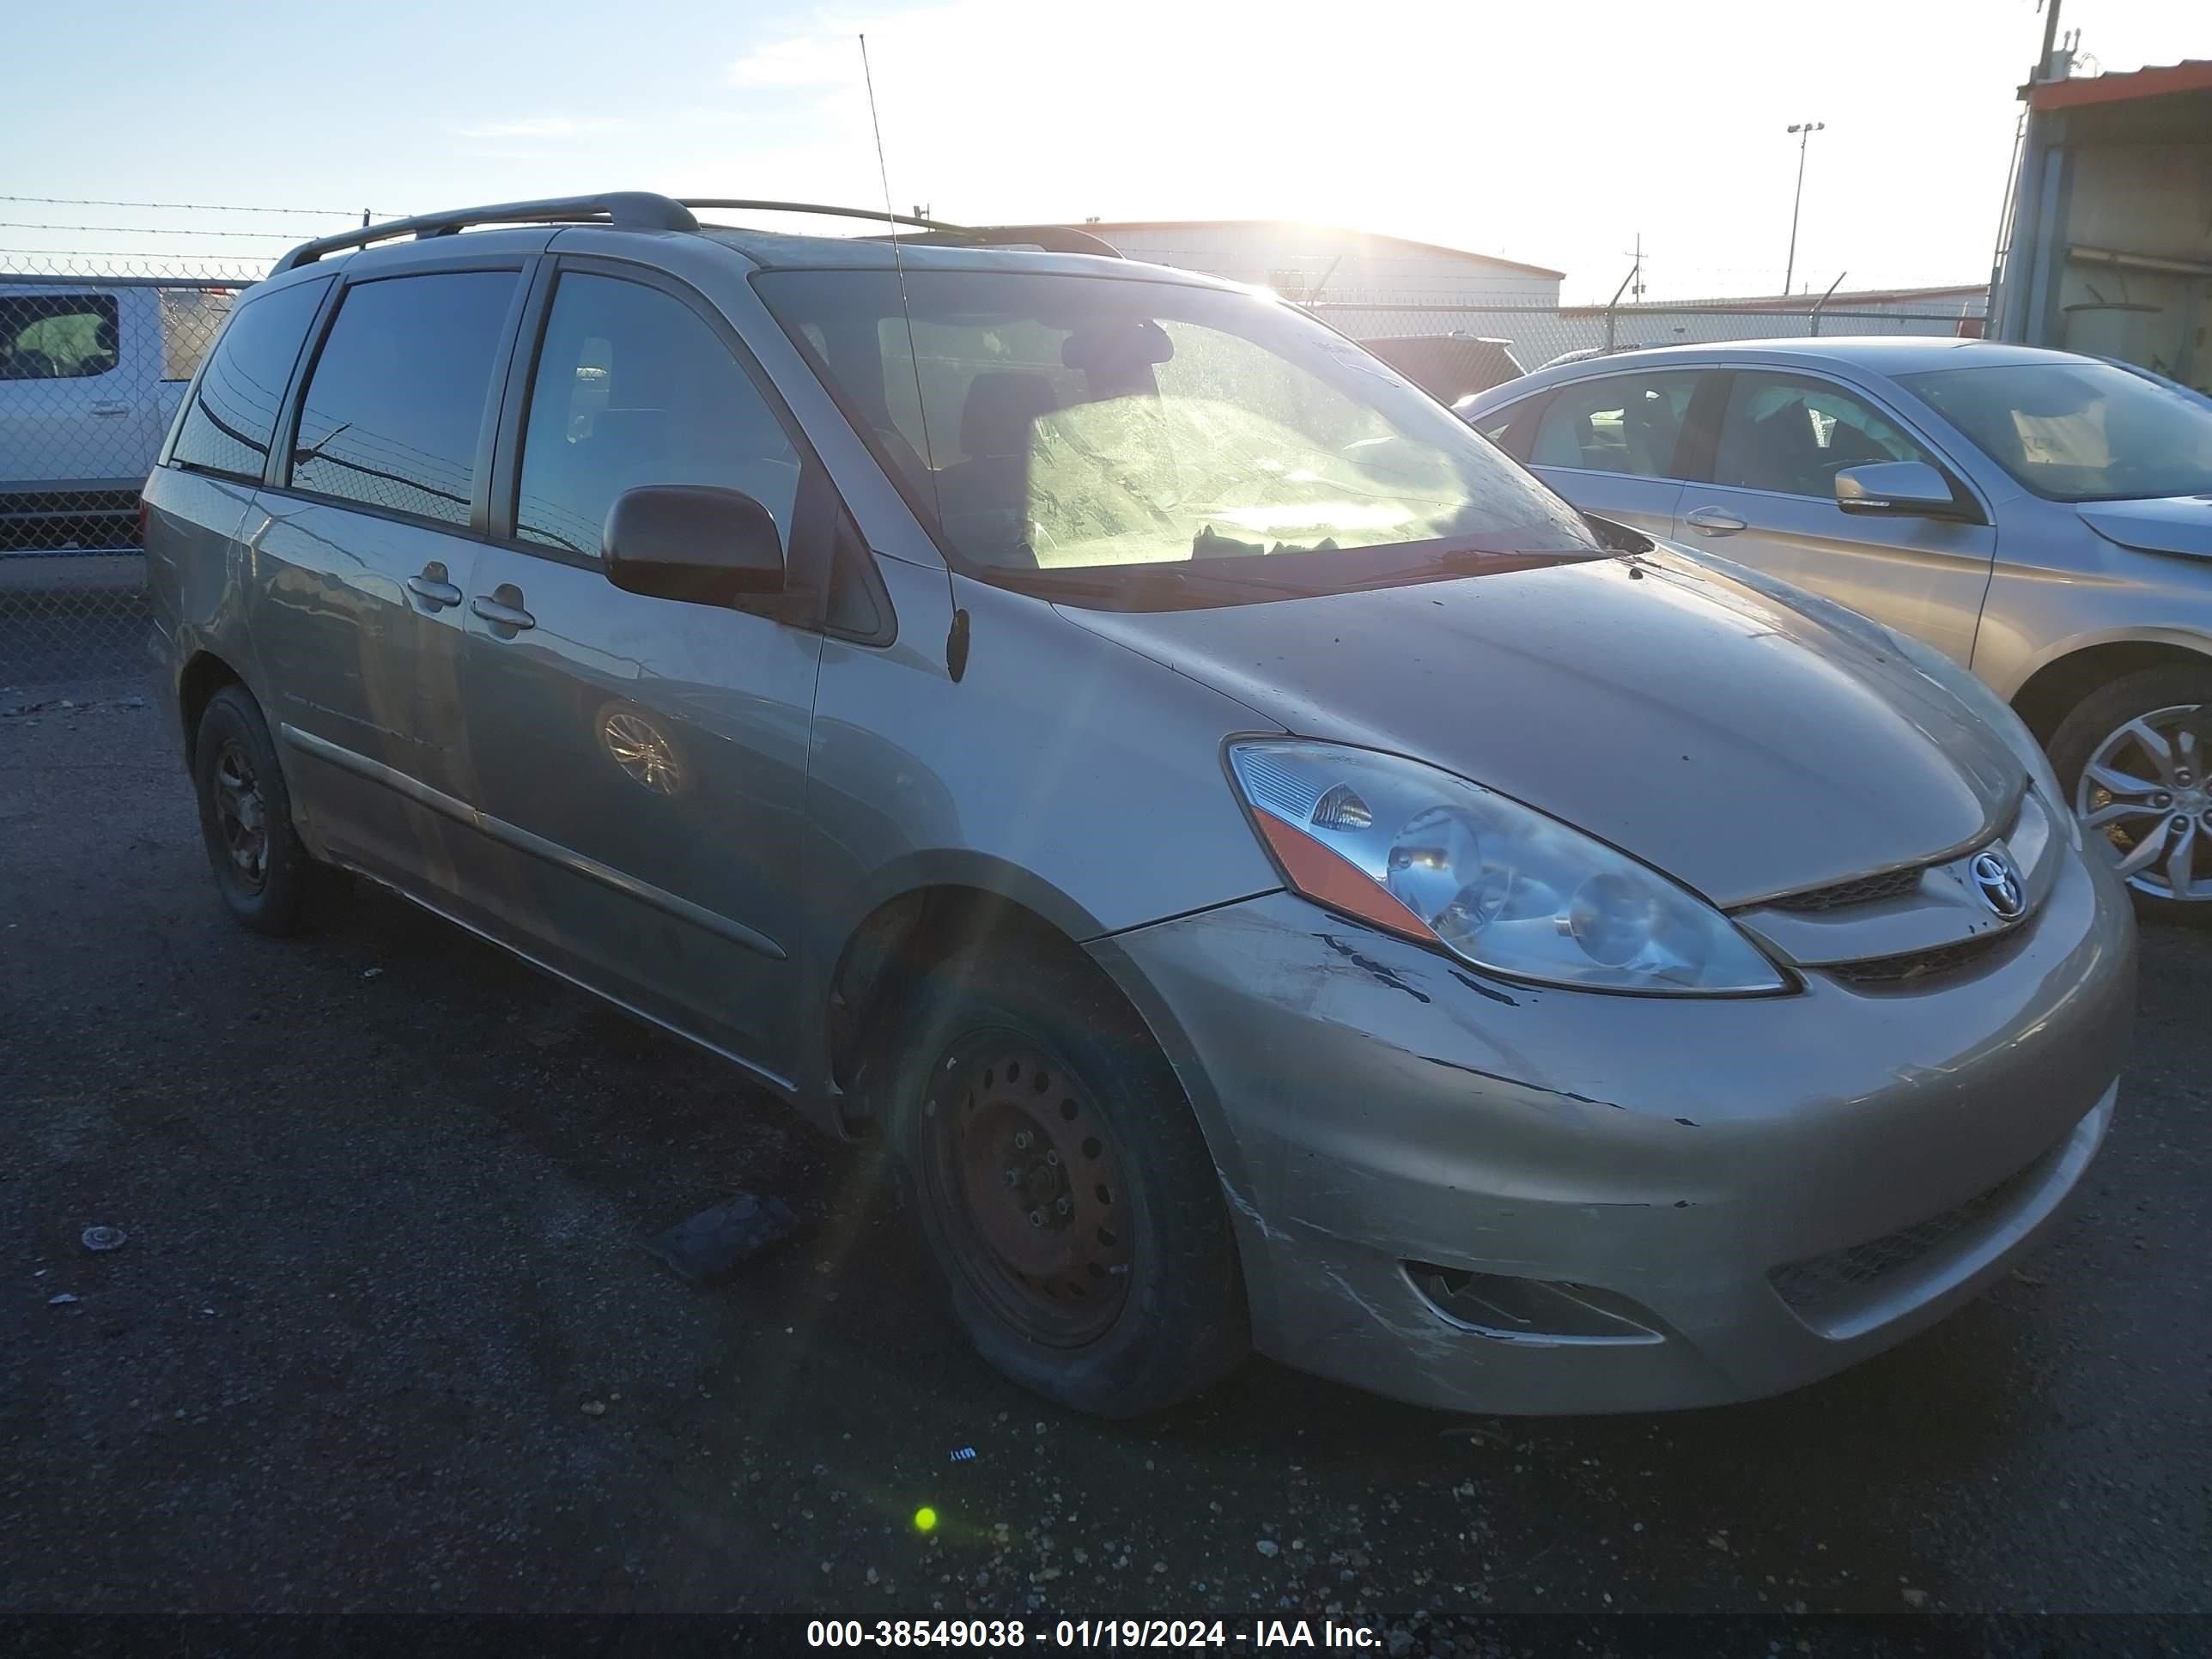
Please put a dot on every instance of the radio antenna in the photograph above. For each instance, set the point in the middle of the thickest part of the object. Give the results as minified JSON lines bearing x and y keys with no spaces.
{"x":955,"y":639}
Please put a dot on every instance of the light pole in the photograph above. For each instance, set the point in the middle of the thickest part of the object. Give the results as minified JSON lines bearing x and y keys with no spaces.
{"x":1804,"y":129}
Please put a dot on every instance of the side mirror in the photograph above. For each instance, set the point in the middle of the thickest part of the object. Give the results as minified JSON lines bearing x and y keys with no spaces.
{"x":1898,"y":489}
{"x":697,"y":543}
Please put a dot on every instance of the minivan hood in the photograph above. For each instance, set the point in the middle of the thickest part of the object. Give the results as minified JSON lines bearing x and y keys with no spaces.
{"x":1735,"y":743}
{"x":2169,"y":524}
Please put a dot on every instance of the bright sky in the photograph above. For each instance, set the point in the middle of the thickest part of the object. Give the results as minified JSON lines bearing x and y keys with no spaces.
{"x":1551,"y":131}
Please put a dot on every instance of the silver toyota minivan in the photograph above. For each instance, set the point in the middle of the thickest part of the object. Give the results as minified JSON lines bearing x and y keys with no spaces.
{"x":1271,"y":873}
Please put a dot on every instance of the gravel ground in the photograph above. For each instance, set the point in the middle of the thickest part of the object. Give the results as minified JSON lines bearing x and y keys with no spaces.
{"x":382,"y":1337}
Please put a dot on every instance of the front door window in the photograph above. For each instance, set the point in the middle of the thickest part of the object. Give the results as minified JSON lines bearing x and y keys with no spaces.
{"x":1792,"y":436}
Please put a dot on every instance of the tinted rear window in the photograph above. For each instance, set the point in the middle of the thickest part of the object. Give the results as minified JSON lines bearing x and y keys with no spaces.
{"x":396,"y":401}
{"x":233,"y":411}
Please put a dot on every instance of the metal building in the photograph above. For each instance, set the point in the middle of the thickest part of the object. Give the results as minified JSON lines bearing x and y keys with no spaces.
{"x":1309,"y":262}
{"x":2108,"y":247}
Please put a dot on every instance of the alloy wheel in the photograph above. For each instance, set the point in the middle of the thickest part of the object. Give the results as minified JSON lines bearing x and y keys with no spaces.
{"x":2144,"y":789}
{"x":241,"y":814}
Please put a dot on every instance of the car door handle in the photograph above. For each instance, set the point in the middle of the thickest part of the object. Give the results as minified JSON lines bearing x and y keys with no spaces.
{"x":107,"y":411}
{"x":501,"y":614}
{"x":1713,"y":521}
{"x":433,"y":589}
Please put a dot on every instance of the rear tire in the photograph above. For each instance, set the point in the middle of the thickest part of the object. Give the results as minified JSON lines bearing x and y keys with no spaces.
{"x":1063,"y":1186}
{"x":267,"y":879}
{"x":2171,"y":700}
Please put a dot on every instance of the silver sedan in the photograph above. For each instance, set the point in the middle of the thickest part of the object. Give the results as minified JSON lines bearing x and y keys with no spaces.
{"x":2042,"y":518}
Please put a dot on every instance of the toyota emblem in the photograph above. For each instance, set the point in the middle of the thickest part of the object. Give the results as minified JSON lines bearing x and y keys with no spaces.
{"x":1999,"y":883}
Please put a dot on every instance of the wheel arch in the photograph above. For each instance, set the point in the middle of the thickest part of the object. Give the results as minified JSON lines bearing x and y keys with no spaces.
{"x":2074,"y":669}
{"x":920,"y":916}
{"x":204,"y":673}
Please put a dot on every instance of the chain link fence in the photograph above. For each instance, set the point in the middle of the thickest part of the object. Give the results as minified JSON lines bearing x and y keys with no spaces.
{"x":94,"y":361}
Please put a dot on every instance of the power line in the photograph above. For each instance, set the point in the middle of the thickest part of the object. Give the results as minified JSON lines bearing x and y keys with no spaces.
{"x":183,"y":207}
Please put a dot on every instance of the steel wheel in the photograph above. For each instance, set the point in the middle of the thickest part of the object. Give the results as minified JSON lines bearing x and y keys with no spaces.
{"x":2144,"y":789}
{"x":1019,"y":1157}
{"x":241,"y":814}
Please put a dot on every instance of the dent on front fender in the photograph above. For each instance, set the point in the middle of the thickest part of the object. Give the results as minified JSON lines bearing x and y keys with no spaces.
{"x":1368,"y":1102}
{"x":1402,"y":1058}
{"x":1308,"y":1159}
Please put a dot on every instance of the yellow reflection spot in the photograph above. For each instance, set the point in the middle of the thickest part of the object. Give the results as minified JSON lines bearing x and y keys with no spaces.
{"x":925,"y":1519}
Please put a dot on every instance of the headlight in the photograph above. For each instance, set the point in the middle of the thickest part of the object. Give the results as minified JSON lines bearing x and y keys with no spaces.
{"x":1447,"y":862}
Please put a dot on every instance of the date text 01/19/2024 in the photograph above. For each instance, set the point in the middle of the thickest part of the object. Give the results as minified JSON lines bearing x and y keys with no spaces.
{"x":1001,"y":1634}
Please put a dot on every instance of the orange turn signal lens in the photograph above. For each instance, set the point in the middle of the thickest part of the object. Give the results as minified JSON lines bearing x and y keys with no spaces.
{"x":1328,"y":878}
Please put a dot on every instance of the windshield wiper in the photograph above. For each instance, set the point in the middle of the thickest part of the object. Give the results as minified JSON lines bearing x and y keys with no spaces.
{"x":1138,"y":583}
{"x":1156,"y":581}
{"x":1475,"y":561}
{"x":1210,"y":544}
{"x":1472,"y":561}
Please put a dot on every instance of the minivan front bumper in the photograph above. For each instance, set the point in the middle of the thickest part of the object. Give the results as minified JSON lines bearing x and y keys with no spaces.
{"x":1488,"y":1196}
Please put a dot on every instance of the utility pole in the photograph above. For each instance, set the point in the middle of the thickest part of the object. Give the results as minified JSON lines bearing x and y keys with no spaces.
{"x":1804,"y":129}
{"x":2050,"y":40}
{"x":1636,"y":272}
{"x":1612,"y":305}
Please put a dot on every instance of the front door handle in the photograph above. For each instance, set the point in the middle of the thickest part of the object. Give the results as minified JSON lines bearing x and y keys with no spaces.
{"x":1713,"y":521}
{"x":109,"y":411}
{"x":431,"y":587}
{"x":503,"y":609}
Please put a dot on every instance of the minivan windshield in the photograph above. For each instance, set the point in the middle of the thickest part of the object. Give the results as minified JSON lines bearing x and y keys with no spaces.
{"x":2078,"y":431}
{"x":1048,"y":425}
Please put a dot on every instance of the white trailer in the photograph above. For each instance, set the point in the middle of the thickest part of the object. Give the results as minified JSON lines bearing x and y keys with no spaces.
{"x":91,"y":371}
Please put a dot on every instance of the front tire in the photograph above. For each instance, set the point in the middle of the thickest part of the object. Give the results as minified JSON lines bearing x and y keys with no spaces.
{"x":2133,"y":758}
{"x":262,"y":871}
{"x":1064,"y":1188}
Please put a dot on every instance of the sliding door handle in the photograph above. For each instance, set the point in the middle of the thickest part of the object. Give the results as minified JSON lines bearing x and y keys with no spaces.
{"x":433,"y":589}
{"x":501,"y":614}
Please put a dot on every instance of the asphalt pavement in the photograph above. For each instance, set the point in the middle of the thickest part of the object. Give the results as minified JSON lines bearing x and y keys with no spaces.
{"x":381,"y":1334}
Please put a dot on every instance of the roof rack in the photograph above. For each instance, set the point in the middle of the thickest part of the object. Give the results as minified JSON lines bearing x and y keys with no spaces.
{"x":631,"y":209}
{"x":809,"y":207}
{"x":639,"y":209}
{"x":936,"y":232}
{"x":1053,"y":238}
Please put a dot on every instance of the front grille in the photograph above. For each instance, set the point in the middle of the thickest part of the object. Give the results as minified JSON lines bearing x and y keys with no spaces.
{"x":1821,"y":1282}
{"x":1865,"y":889}
{"x":1891,"y":973}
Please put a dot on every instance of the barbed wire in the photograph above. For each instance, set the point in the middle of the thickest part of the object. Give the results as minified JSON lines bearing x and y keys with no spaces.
{"x":186,"y":207}
{"x":122,"y":255}
{"x":149,"y":230}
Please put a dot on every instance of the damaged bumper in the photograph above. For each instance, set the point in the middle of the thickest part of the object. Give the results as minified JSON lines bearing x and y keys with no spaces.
{"x":1487,"y":1196}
